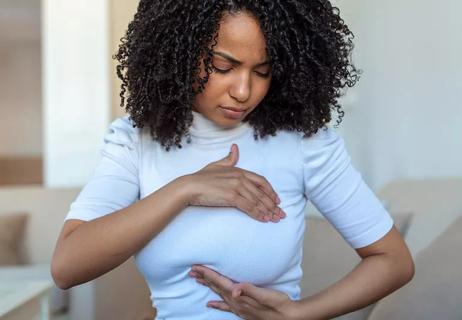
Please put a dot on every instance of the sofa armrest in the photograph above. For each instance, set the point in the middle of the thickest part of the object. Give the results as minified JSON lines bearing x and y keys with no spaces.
{"x":119,"y":294}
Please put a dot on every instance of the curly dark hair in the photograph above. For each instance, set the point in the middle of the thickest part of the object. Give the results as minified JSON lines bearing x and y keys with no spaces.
{"x":308,"y":44}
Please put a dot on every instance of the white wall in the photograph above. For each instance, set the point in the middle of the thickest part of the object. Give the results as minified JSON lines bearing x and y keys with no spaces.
{"x":76,"y":88}
{"x":406,"y":120}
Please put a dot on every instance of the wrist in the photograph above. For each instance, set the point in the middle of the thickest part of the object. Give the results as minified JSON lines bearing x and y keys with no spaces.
{"x":297,"y":311}
{"x":184,"y":191}
{"x":292,"y":311}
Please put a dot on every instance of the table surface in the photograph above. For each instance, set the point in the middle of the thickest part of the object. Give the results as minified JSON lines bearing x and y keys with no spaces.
{"x":19,"y":284}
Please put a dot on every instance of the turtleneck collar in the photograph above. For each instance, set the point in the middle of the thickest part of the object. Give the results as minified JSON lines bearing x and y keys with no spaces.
{"x":205,"y":131}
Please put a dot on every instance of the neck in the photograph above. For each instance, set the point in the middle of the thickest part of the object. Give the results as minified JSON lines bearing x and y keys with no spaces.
{"x":205,"y":131}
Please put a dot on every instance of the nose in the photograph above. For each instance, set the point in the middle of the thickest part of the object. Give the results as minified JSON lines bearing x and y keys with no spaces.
{"x":240,"y":90}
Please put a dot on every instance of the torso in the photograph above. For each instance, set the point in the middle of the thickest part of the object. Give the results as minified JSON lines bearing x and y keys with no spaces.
{"x":223,"y":238}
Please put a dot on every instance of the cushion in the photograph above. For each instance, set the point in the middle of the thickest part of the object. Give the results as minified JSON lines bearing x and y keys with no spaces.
{"x":327,"y":257}
{"x":12,"y":229}
{"x":435,"y":291}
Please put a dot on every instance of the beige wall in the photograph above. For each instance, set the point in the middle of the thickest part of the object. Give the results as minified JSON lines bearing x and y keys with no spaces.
{"x":20,"y":99}
{"x":120,"y":14}
{"x":20,"y":83}
{"x":20,"y":78}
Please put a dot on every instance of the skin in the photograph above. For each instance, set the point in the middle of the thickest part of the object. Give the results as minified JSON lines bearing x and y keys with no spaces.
{"x":245,"y":84}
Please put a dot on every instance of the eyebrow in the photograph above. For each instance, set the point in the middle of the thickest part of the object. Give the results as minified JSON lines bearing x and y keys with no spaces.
{"x":234,"y":60}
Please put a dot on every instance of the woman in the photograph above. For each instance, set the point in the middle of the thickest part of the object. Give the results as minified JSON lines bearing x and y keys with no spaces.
{"x":226,"y":232}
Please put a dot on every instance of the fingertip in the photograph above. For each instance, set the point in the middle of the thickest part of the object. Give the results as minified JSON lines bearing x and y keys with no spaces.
{"x":281,"y":214}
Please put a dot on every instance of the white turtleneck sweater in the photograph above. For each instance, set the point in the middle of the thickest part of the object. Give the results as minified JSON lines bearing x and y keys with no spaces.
{"x":315,"y":169}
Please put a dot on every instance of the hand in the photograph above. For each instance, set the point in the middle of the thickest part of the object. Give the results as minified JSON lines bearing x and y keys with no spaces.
{"x":244,"y":299}
{"x":220,"y":183}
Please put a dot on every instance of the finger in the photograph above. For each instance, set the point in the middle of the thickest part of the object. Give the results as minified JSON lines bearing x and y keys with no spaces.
{"x":261,"y":295}
{"x":249,"y":302}
{"x":242,"y":299}
{"x":218,"y":290}
{"x":230,"y":159}
{"x":220,"y":305}
{"x":254,"y":205}
{"x":263,"y":183}
{"x":259,"y":196}
{"x":235,"y":153}
{"x":213,"y":277}
{"x":249,"y":207}
{"x":203,"y":282}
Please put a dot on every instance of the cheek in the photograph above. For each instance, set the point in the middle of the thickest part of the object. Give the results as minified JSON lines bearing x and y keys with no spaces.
{"x":261,"y":90}
{"x":211,"y":93}
{"x":215,"y":86}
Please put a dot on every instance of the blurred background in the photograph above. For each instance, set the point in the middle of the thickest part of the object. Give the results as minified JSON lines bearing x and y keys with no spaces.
{"x":59,"y":92}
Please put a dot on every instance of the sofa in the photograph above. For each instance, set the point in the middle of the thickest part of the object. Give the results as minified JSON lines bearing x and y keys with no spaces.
{"x":31,"y":218}
{"x":428,"y":214}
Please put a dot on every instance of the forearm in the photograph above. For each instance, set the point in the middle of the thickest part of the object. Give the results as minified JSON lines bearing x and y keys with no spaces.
{"x":373,"y":278}
{"x":100,"y":245}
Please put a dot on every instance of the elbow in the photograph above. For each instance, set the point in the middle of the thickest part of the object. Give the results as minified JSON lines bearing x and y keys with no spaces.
{"x":410,"y":270}
{"x":59,"y":276}
{"x":406,"y":271}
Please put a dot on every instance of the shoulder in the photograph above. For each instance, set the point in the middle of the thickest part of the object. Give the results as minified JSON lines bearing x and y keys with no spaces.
{"x":123,"y":132}
{"x":325,"y":148}
{"x":323,"y":136}
{"x":325,"y":141}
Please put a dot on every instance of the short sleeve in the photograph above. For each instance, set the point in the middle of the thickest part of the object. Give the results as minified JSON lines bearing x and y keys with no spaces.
{"x":338,"y":191}
{"x":115,"y":182}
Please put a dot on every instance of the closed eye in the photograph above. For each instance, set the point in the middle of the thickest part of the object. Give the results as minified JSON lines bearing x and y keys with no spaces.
{"x":223,"y":71}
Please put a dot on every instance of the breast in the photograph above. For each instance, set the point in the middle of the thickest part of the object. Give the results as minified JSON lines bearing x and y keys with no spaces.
{"x":226,"y":240}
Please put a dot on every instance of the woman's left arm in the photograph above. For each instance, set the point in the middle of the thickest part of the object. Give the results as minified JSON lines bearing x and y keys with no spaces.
{"x":386,"y":266}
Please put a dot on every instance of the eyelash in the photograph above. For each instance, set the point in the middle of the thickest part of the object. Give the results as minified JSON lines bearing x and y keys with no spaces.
{"x":263,"y":75}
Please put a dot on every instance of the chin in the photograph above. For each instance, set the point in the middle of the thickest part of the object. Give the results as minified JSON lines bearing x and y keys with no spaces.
{"x":227,"y":123}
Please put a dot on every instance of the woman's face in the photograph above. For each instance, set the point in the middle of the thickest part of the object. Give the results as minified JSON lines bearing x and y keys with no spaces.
{"x":241,"y":73}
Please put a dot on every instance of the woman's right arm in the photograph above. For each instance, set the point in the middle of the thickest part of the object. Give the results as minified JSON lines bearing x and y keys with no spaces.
{"x":86,"y":250}
{"x":106,"y":225}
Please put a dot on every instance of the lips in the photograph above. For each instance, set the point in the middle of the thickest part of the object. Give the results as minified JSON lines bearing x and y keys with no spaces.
{"x":234,"y":108}
{"x":232,"y":112}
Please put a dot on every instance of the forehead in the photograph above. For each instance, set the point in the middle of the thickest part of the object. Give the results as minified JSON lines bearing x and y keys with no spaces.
{"x":240,"y":35}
